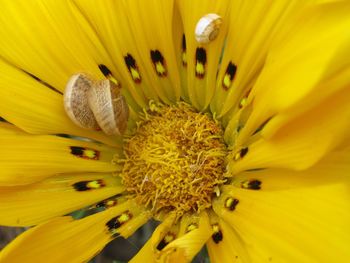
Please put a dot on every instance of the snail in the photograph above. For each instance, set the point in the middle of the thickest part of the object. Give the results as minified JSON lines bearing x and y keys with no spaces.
{"x":96,"y":104}
{"x":208,"y":28}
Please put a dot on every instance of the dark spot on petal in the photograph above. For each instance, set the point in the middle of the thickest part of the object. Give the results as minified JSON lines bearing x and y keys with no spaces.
{"x":184,"y":54}
{"x":201,"y":60}
{"x":89,"y":185}
{"x":161,"y":244}
{"x":118,"y":221}
{"x":84,"y":152}
{"x":229,"y":75}
{"x":252,"y":184}
{"x":105,"y":71}
{"x":132,"y":67}
{"x":217,"y":237}
{"x":158,"y":63}
{"x":231,"y":203}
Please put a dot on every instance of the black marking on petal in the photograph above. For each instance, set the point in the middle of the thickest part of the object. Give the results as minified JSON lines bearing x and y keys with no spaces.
{"x":217,"y":236}
{"x":84,"y":152}
{"x":239,"y":155}
{"x":231,"y":203}
{"x":130,"y":62}
{"x":252,"y":184}
{"x":118,"y":221}
{"x":42,"y":82}
{"x":158,"y":63}
{"x":161,"y":244}
{"x":105,"y":71}
{"x":108,"y":74}
{"x":166,"y":240}
{"x":201,"y":60}
{"x":262,"y":126}
{"x":183,"y":48}
{"x":229,"y":75}
{"x":89,"y":185}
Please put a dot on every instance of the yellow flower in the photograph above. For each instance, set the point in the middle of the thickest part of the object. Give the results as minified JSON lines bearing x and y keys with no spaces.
{"x":272,"y":186}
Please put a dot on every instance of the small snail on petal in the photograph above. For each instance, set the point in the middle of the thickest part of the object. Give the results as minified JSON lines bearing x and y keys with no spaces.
{"x":76,"y":102}
{"x":96,"y":104}
{"x":109,"y":107}
{"x":208,"y":28}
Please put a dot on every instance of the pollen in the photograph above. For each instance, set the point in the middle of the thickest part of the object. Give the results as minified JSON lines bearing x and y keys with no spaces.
{"x":175,"y":159}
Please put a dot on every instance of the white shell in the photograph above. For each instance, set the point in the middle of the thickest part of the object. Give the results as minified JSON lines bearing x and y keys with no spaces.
{"x":109,"y":107}
{"x":208,"y":28}
{"x":76,"y":103}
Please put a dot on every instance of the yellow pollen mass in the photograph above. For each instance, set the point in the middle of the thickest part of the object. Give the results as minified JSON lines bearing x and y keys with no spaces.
{"x":175,"y":160}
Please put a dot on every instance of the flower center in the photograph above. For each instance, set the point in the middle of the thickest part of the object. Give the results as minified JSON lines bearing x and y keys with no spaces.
{"x":175,"y":160}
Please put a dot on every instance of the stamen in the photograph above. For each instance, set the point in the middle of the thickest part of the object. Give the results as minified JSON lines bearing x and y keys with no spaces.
{"x":175,"y":160}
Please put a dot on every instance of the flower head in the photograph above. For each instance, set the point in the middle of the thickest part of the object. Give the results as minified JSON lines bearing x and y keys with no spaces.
{"x":227,"y":123}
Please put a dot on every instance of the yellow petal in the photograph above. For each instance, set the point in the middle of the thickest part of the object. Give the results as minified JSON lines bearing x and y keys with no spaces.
{"x":252,"y":26}
{"x":230,"y":249}
{"x":65,"y":240}
{"x":55,"y":196}
{"x":28,"y":158}
{"x":201,"y":86}
{"x":53,"y":47}
{"x":148,"y":252}
{"x":295,"y":216}
{"x":184,"y":248}
{"x":302,"y":141}
{"x":37,"y":109}
{"x":120,"y":26}
{"x":310,"y":52}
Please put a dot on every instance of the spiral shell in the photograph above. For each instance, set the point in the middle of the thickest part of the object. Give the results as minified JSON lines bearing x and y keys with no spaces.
{"x":96,"y":104}
{"x":208,"y":28}
{"x":75,"y":101}
{"x":109,"y":107}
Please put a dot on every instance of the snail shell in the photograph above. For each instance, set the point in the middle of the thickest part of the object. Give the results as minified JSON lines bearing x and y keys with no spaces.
{"x":208,"y":28}
{"x":109,"y":107}
{"x":75,"y":101}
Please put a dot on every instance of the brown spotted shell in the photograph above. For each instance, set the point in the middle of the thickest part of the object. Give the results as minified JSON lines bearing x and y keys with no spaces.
{"x":108,"y":106}
{"x":76,"y":103}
